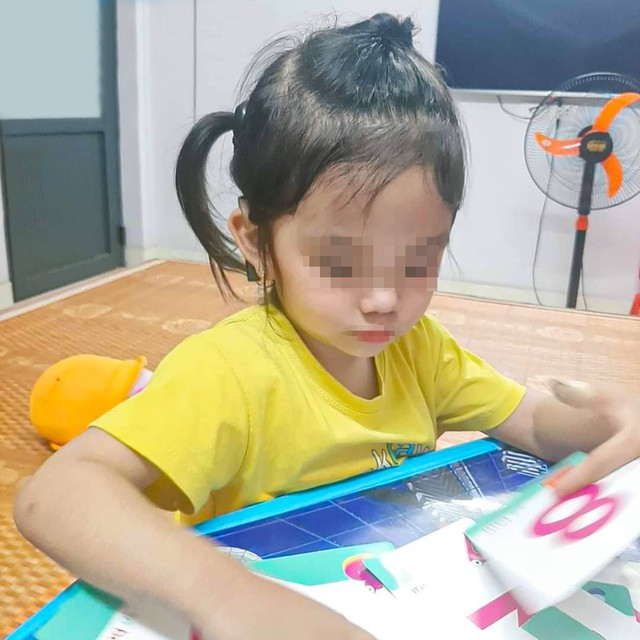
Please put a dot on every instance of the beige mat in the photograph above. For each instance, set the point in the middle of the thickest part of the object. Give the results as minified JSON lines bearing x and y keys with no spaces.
{"x":149,"y":312}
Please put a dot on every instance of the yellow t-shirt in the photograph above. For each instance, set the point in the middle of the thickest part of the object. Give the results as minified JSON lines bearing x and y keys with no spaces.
{"x":243,"y":412}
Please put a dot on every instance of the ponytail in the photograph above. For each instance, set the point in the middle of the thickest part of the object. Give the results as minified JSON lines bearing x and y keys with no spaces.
{"x":191,"y":187}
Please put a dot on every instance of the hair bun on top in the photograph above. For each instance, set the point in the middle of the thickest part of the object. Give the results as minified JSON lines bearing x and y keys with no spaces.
{"x":390,"y":29}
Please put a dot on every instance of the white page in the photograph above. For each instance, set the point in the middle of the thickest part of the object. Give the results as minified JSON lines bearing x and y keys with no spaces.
{"x":435,"y":574}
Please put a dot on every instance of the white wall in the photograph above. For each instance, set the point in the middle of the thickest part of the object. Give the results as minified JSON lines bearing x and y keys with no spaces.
{"x":229,"y":35}
{"x":155,"y":88}
{"x":169,"y":79}
{"x":134,"y":134}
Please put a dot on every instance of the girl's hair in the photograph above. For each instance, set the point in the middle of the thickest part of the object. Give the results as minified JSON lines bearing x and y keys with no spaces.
{"x":358,"y":100}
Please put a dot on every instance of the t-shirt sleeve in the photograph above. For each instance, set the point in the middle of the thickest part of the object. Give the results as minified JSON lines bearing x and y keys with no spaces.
{"x":470,"y":395}
{"x":190,"y":422}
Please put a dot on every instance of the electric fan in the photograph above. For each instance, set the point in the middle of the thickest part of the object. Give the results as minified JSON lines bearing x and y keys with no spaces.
{"x":582,"y":149}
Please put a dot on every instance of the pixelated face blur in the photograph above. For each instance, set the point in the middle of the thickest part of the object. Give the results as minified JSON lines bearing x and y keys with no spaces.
{"x":355,"y":274}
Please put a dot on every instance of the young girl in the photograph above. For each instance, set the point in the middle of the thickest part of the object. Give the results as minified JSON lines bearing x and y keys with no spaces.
{"x":350,"y":159}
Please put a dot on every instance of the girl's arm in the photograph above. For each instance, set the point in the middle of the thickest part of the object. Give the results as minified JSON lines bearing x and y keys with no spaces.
{"x":577,"y":417}
{"x":550,"y":429}
{"x":86,"y":509}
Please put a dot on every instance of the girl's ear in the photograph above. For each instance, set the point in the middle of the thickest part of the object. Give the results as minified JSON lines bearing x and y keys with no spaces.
{"x":245,"y":234}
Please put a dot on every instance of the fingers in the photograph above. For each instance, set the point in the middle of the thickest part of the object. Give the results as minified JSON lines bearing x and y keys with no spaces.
{"x":575,"y":394}
{"x":582,"y":395}
{"x":602,"y":400}
{"x":608,"y":457}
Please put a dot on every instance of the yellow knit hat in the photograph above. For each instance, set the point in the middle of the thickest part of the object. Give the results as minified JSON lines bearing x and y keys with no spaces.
{"x":74,"y":392}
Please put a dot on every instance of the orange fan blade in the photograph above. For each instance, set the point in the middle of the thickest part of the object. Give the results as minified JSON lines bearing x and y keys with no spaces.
{"x":613,"y":169}
{"x":612,"y":109}
{"x":559,"y":147}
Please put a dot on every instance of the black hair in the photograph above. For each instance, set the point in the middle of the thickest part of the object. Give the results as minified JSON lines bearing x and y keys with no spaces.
{"x":356,"y":99}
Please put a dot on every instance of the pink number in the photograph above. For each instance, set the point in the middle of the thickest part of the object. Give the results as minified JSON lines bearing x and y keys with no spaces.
{"x":544,"y":526}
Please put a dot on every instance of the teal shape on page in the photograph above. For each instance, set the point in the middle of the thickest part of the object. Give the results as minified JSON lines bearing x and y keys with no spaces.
{"x":615,"y":595}
{"x":553,"y":624}
{"x":82,"y":616}
{"x":378,"y":569}
{"x":318,"y":567}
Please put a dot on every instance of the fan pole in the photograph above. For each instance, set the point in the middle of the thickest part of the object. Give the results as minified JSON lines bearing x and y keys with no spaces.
{"x":582,"y":223}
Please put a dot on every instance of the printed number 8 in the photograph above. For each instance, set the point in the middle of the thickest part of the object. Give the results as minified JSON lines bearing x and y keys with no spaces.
{"x":544,"y":527}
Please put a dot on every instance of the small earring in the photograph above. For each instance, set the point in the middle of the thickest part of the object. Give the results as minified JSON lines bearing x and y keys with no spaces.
{"x":265,"y":286}
{"x":262,"y":285}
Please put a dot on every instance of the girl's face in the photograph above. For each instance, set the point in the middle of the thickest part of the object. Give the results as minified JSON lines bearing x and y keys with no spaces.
{"x":354,"y":279}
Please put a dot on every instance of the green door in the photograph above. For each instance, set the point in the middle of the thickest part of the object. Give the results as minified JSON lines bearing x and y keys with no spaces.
{"x":59,"y":135}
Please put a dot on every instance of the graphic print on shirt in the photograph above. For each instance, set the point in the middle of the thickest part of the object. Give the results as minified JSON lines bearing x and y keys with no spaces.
{"x":393,"y":454}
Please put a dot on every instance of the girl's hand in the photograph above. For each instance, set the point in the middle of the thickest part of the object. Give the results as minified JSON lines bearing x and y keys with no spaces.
{"x":617,"y":412}
{"x":258,"y":608}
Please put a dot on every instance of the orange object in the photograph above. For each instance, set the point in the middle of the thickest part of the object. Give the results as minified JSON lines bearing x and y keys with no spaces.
{"x":552,"y":480}
{"x":612,"y":109}
{"x":74,"y":392}
{"x":635,"y":307}
{"x":570,"y":147}
{"x":613,"y":169}
{"x":582,"y":223}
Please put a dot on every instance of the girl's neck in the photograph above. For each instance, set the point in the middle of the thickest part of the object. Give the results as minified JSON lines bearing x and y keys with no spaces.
{"x":358,"y":375}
